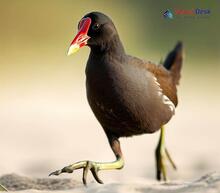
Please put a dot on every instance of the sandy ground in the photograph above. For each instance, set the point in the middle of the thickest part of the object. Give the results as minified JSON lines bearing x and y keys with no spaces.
{"x":207,"y":184}
{"x":42,"y":133}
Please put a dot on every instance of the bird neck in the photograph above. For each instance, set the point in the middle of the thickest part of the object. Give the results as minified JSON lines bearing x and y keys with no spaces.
{"x":112,"y":47}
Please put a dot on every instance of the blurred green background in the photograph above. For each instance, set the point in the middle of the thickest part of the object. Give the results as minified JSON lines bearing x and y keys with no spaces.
{"x":42,"y":92}
{"x":35,"y":35}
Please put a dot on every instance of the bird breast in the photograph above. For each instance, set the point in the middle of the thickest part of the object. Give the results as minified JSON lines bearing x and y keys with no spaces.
{"x":127,"y":100}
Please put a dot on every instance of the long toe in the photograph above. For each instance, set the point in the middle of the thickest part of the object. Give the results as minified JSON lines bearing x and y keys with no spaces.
{"x":2,"y":188}
{"x":86,"y":166}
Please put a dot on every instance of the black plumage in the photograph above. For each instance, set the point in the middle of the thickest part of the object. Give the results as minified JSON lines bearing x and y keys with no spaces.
{"x":127,"y":95}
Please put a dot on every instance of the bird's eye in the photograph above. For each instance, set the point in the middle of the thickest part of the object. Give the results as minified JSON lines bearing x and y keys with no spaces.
{"x":95,"y":26}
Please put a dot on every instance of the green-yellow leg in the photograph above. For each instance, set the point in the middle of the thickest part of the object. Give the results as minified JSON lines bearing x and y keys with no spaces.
{"x":2,"y":188}
{"x":95,"y":167}
{"x":161,"y":154}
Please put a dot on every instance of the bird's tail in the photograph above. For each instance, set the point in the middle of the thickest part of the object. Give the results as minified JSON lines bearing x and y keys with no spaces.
{"x":174,"y":61}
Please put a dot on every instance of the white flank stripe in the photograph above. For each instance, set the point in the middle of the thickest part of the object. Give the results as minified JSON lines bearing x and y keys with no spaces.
{"x":165,"y":99}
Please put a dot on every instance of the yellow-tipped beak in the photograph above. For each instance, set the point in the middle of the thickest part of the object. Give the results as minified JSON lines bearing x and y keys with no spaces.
{"x":81,"y":37}
{"x":73,"y":49}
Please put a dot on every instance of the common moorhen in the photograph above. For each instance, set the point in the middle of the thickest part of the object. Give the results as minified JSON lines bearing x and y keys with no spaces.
{"x":127,"y":95}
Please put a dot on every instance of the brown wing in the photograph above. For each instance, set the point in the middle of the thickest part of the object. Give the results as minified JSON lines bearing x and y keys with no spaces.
{"x":164,"y":78}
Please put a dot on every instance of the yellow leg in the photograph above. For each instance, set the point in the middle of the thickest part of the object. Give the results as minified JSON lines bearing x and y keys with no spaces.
{"x":161,"y":154}
{"x":95,"y":167}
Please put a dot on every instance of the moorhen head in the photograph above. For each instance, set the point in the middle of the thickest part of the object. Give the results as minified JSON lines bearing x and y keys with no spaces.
{"x":97,"y":31}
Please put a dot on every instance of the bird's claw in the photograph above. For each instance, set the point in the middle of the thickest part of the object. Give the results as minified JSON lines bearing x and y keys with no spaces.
{"x":58,"y":172}
{"x":86,"y":165}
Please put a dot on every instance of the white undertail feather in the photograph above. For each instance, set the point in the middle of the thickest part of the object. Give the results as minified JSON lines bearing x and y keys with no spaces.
{"x":165,"y":99}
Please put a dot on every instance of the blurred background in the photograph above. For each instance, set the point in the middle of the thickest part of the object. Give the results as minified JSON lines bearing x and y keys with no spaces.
{"x":45,"y":121}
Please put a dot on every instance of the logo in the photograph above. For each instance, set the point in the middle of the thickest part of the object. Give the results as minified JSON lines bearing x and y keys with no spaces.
{"x":194,"y":12}
{"x":187,"y":13}
{"x":168,"y":14}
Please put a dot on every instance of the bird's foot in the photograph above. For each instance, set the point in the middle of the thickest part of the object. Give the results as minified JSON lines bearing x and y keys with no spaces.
{"x":161,"y":155}
{"x":86,"y":166}
{"x":2,"y":188}
{"x":94,"y":167}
